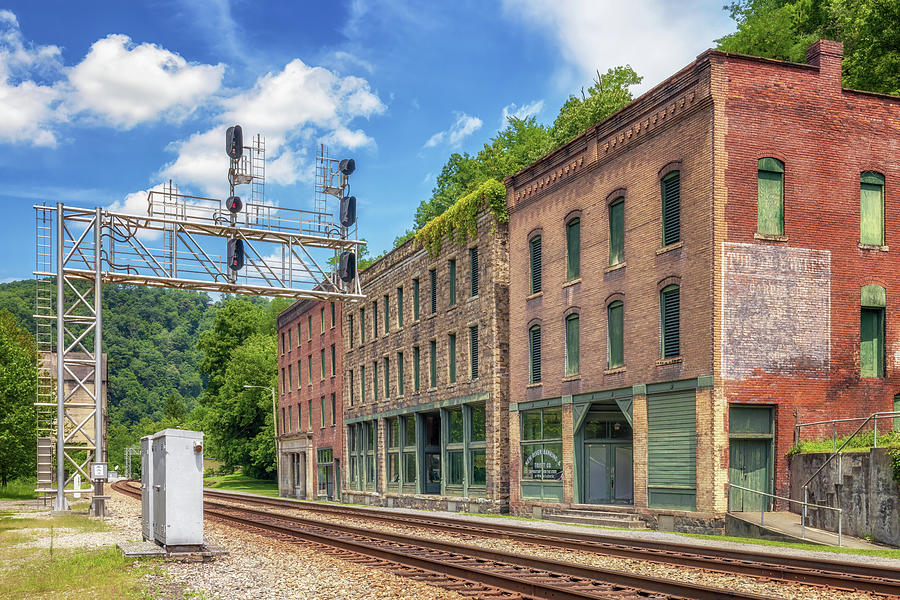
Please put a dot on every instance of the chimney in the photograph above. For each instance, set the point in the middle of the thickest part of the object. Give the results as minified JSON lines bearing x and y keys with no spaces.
{"x":827,"y":55}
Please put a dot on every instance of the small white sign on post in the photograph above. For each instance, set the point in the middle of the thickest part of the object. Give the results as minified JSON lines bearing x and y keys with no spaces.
{"x":77,"y":484}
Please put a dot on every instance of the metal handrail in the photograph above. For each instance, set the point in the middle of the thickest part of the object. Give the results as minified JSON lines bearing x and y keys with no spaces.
{"x":803,"y":503}
{"x":847,"y":441}
{"x":834,"y":422}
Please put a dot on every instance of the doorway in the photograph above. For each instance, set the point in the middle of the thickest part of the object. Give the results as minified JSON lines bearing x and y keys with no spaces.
{"x":431,"y":452}
{"x":750,"y":457}
{"x":609,"y":459}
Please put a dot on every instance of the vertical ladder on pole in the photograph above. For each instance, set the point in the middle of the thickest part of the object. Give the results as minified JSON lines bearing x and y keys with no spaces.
{"x":44,"y":317}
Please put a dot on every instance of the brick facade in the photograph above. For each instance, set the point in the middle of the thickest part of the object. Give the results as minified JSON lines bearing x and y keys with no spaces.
{"x":486,"y":311}
{"x":762,"y":345}
{"x":305,"y":330}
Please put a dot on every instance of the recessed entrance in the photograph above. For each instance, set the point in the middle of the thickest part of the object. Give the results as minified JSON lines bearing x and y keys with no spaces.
{"x":431,"y":452}
{"x":608,"y":458}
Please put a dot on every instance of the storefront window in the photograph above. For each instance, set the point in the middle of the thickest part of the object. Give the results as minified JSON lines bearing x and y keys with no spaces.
{"x":542,"y":444}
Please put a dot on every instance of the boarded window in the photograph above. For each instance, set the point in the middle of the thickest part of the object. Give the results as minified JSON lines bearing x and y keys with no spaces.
{"x":871,"y":331}
{"x":451,"y":267}
{"x":669,"y":304}
{"x":322,"y":319}
{"x":871,"y":208}
{"x":375,"y":319}
{"x":376,"y":390}
{"x":770,"y":197}
{"x":416,"y":359}
{"x":572,"y":345}
{"x":387,"y":313}
{"x":387,"y":377}
{"x":473,"y":270}
{"x":415,"y":299}
{"x":400,"y":307}
{"x":362,"y":326}
{"x":400,"y":386}
{"x":451,"y":349}
{"x":352,"y":389}
{"x":617,"y":231}
{"x":535,"y":251}
{"x":433,"y":275}
{"x":573,"y":249}
{"x":350,"y":327}
{"x":433,"y":359}
{"x":333,"y":409}
{"x":473,"y":351}
{"x":362,"y":384}
{"x":534,"y":354}
{"x":333,"y":360}
{"x":615,"y":327}
{"x":671,"y":208}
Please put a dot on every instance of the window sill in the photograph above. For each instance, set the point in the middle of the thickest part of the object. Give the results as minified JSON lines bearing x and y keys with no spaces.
{"x":669,"y":361}
{"x":873,"y":247}
{"x":670,"y":247}
{"x":534,"y":385}
{"x":572,"y":378}
{"x":615,"y":267}
{"x":533,"y":296}
{"x":615,"y":370}
{"x":451,"y":308}
{"x":572,"y":282}
{"x":769,"y":237}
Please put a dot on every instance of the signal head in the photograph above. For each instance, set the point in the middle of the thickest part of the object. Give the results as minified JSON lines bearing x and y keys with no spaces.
{"x":347,"y":166}
{"x":234,"y":142}
{"x":236,"y":254}
{"x":347,"y":266}
{"x":348,"y":211}
{"x":234,"y":204}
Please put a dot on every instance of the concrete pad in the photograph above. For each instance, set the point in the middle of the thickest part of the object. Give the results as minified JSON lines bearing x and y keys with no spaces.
{"x":787,"y":525}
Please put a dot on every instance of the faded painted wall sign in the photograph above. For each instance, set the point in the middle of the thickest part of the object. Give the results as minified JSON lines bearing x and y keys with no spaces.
{"x":776,"y":310}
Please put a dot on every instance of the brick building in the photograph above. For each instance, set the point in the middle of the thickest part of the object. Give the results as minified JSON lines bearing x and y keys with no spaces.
{"x":309,"y":415}
{"x":425,"y":388}
{"x":692,"y":276}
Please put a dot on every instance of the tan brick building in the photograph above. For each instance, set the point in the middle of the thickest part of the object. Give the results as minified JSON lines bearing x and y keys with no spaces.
{"x":691,"y":276}
{"x":425,"y":377}
{"x":309,"y":413}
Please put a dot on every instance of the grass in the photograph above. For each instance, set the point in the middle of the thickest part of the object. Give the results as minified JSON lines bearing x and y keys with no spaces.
{"x":19,"y":489}
{"x":886,"y":553}
{"x":29,"y":572}
{"x":239,"y":482}
{"x":862,"y":442}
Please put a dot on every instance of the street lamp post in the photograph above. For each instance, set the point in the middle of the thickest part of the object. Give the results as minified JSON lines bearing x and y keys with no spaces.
{"x":274,"y":428}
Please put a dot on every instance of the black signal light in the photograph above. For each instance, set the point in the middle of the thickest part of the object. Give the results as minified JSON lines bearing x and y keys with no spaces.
{"x":347,"y":266}
{"x":234,"y":204}
{"x":348,"y":211}
{"x":234,"y":142}
{"x":236,"y":254}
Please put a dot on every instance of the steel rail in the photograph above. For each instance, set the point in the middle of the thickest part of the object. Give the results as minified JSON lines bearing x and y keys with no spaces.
{"x":819,"y":572}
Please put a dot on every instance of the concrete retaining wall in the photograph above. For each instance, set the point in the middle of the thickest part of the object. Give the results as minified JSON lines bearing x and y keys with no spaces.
{"x":862,"y":484}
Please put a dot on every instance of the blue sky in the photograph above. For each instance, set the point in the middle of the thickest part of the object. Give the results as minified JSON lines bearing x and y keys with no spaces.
{"x":102,"y":101}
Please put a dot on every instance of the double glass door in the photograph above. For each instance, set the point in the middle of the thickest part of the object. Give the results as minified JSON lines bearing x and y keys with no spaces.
{"x":610,"y":475}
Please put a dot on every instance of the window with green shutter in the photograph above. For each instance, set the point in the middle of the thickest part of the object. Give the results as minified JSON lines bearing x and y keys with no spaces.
{"x":362,"y":325}
{"x":375,"y":319}
{"x":400,"y":307}
{"x":473,"y":271}
{"x":433,"y":359}
{"x":770,"y":197}
{"x":375,"y":388}
{"x":871,"y":331}
{"x":572,"y":345}
{"x":534,"y":354}
{"x":400,"y":386}
{"x":352,"y":389}
{"x":322,"y":319}
{"x":350,"y":328}
{"x":615,"y":327}
{"x":322,"y":414}
{"x":871,"y":208}
{"x":416,"y":299}
{"x":451,"y":267}
{"x":473,"y":351}
{"x":535,"y":251}
{"x":387,"y":377}
{"x":669,"y":304}
{"x":617,"y":231}
{"x":433,"y":276}
{"x":416,"y":370}
{"x":387,"y":314}
{"x":333,"y":315}
{"x":671,"y":208}
{"x":333,"y":410}
{"x":573,"y":249}
{"x":451,"y":350}
{"x":333,"y":360}
{"x":362,"y":384}
{"x":322,"y":364}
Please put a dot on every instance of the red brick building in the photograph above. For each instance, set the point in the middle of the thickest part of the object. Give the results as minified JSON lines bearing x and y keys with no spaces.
{"x":309,"y":414}
{"x":694,"y":275}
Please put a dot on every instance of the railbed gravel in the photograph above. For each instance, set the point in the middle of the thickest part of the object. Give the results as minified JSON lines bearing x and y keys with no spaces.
{"x":262,"y":567}
{"x":763,"y":587}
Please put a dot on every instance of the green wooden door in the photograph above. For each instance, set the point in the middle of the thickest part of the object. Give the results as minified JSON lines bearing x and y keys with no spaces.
{"x":749,"y":468}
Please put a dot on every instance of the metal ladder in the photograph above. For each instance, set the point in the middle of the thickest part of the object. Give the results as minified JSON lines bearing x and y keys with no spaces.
{"x":44,"y":318}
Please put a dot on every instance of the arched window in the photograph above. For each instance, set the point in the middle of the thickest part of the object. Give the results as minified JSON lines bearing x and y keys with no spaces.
{"x":534,"y":354}
{"x":534,"y":247}
{"x":615,"y":355}
{"x":770,"y":197}
{"x":871,"y":208}
{"x":671,"y":208}
{"x":572,"y":345}
{"x":617,"y":231}
{"x":573,"y":249}
{"x":670,"y":325}
{"x":871,"y":331}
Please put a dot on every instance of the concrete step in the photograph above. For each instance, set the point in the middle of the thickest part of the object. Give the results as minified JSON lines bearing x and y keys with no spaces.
{"x":602,"y":518}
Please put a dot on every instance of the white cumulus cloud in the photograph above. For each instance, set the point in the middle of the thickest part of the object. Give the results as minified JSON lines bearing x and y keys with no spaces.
{"x":656,"y":37}
{"x":464,"y":126}
{"x":520,"y":112}
{"x":127,"y":85}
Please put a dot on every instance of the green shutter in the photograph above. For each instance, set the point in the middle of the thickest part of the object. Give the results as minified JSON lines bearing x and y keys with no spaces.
{"x":873,"y":295}
{"x":573,"y":249}
{"x":534,"y":342}
{"x":400,"y":386}
{"x":572,"y":345}
{"x":473,"y":351}
{"x":617,"y":232}
{"x":433,"y":274}
{"x":770,"y":197}
{"x":362,"y":384}
{"x":473,"y":270}
{"x":433,"y":359}
{"x":415,"y":299}
{"x":362,"y":326}
{"x":535,"y":247}
{"x":400,"y":307}
{"x":375,"y":388}
{"x":670,"y":302}
{"x":871,"y":342}
{"x":387,"y":377}
{"x":672,"y":450}
{"x":871,"y":214}
{"x":416,"y":358}
{"x":615,"y":328}
{"x":387,"y":314}
{"x":452,"y":268}
{"x":451,"y":349}
{"x":671,"y":208}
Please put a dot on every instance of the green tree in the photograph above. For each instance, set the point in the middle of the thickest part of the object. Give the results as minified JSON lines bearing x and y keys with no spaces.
{"x":236,"y":321}
{"x":783,"y":29}
{"x":609,"y":94}
{"x":18,"y":383}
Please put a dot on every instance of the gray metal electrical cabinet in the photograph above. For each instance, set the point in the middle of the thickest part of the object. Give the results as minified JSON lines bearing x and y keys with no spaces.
{"x":177,"y":488}
{"x":146,"y":486}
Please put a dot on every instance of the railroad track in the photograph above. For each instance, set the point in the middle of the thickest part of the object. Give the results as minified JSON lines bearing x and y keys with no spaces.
{"x":467,"y":569}
{"x":822,"y":573}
